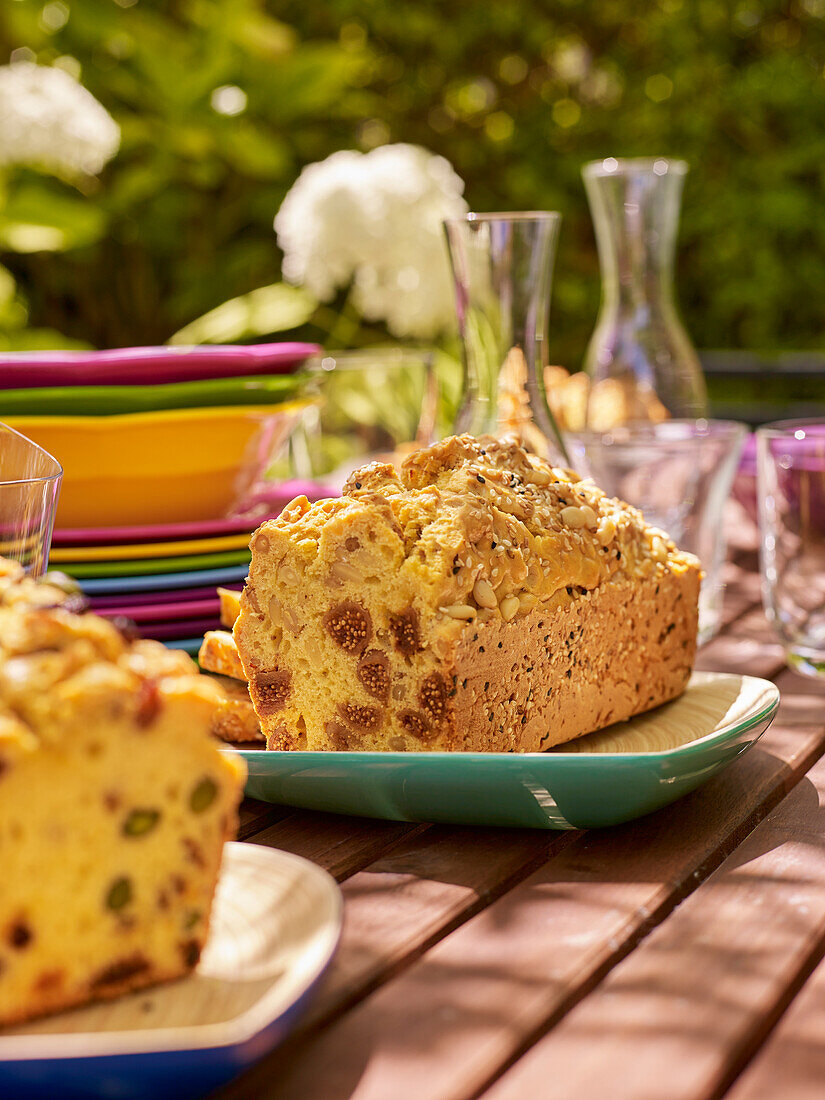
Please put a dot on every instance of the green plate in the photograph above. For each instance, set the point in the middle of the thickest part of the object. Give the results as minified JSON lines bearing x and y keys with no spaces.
{"x":615,"y":775}
{"x":115,"y":400}
{"x":148,"y":566}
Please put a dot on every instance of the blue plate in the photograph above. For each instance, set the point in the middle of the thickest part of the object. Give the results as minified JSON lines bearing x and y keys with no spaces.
{"x":189,"y":645}
{"x":196,"y":577}
{"x":617,"y":774}
{"x":275,"y":927}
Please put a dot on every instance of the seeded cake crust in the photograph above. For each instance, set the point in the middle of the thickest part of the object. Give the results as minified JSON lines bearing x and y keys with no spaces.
{"x":476,"y":599}
{"x":594,"y":672}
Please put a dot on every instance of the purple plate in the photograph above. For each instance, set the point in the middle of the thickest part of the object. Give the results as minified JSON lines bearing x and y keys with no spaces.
{"x":141,"y":599}
{"x":185,"y":629}
{"x":164,"y":612}
{"x":268,"y":503}
{"x":139,"y":366}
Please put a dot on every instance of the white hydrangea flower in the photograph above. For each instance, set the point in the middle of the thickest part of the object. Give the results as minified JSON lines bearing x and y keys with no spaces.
{"x":49,"y":120}
{"x":374,"y":220}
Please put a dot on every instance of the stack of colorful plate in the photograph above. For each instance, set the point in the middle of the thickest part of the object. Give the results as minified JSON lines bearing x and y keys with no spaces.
{"x":164,"y":576}
{"x":158,"y":436}
{"x":167,"y":455}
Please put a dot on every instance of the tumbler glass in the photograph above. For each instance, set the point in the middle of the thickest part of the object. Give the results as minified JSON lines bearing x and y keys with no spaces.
{"x":679,"y":473}
{"x":791,"y":480}
{"x":373,"y":404}
{"x":29,"y":487}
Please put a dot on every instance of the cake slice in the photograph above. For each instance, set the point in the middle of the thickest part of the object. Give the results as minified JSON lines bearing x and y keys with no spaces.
{"x":475,"y":599}
{"x":235,"y":719}
{"x":230,"y":604}
{"x":115,"y":803}
{"x":218,"y":653}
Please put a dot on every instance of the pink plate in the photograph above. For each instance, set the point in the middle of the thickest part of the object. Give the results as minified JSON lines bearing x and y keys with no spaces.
{"x":140,"y":366}
{"x":269,"y":503}
{"x":163,"y":612}
{"x":159,"y":532}
{"x":142,"y":599}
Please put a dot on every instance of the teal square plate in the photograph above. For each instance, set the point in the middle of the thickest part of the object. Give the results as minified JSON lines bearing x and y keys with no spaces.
{"x":608,"y":777}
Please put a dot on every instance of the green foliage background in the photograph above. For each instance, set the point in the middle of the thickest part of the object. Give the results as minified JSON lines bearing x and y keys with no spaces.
{"x":518,"y":94}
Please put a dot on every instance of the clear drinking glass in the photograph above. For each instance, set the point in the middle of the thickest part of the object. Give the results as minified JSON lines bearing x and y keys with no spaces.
{"x":679,"y":474}
{"x":502,"y":271}
{"x":372,"y":404}
{"x":791,"y":480}
{"x":29,"y":487}
{"x":640,"y":360}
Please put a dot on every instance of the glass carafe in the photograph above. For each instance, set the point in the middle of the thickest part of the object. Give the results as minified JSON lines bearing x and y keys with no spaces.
{"x":640,"y":360}
{"x":502,"y":269}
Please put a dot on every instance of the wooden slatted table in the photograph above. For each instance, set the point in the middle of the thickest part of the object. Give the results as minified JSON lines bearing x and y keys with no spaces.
{"x":677,"y":956}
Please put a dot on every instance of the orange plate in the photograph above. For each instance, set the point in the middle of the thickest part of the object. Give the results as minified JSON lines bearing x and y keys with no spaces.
{"x":160,"y":467}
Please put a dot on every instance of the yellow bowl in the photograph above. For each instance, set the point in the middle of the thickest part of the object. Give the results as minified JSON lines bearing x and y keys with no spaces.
{"x":160,"y":467}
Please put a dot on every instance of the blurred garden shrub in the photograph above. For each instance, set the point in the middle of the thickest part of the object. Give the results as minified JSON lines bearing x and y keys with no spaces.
{"x":221,"y":102}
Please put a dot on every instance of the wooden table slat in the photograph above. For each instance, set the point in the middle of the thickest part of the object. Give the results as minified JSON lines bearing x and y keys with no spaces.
{"x":698,"y":996}
{"x":748,"y":646}
{"x":791,"y":1064}
{"x":418,"y":893}
{"x":254,"y":816}
{"x":341,"y":845}
{"x":742,"y":592}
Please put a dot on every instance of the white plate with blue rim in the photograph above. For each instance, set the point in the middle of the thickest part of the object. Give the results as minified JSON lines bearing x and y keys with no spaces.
{"x":275,"y":925}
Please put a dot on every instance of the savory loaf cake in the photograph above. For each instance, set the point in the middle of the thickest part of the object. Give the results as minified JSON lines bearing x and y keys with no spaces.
{"x":115,"y":802}
{"x":218,"y":653}
{"x":475,"y":599}
{"x":235,"y":719}
{"x":230,"y":604}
